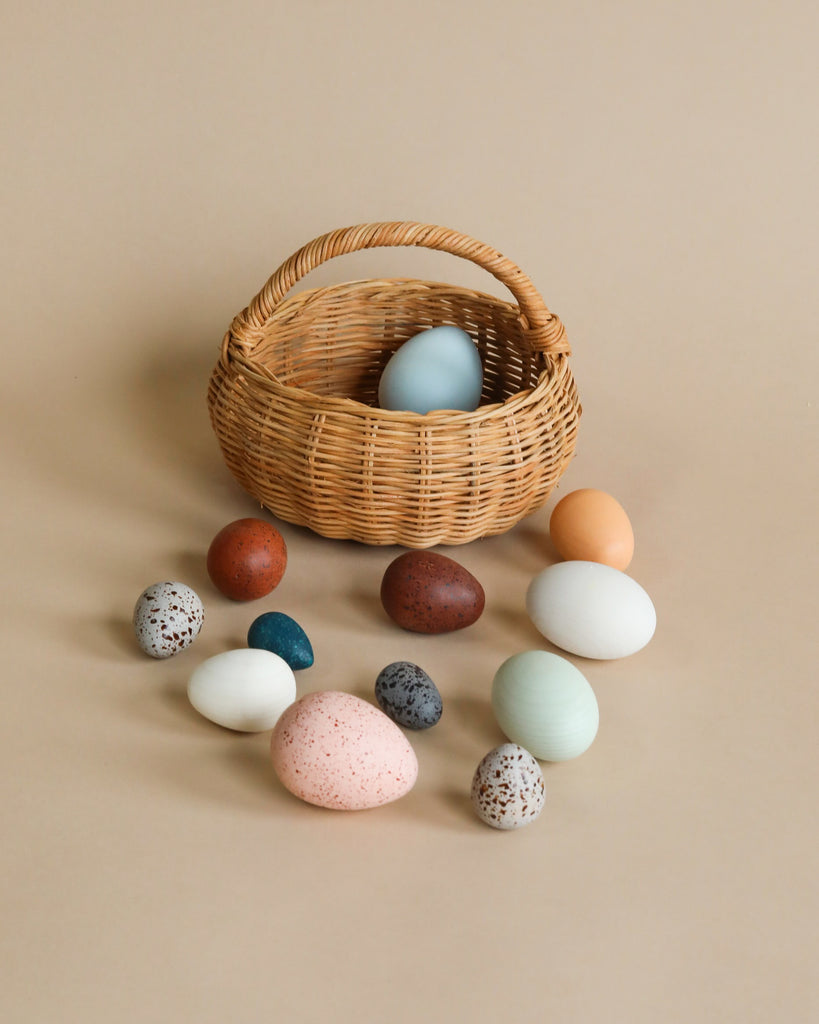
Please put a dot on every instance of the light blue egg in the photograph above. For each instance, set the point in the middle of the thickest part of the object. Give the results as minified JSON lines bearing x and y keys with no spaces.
{"x":437,"y":369}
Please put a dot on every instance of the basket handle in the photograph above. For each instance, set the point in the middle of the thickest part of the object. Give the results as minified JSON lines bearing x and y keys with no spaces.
{"x":544,"y":331}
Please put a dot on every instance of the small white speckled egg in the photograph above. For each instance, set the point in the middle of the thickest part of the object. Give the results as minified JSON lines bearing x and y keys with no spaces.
{"x":245,"y":689}
{"x":167,"y":618}
{"x":508,"y":790}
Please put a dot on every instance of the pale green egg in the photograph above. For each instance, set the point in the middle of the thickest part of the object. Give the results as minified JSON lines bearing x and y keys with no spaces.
{"x":544,"y":703}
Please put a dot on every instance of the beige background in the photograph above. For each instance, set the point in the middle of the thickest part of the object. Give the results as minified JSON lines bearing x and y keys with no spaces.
{"x":653,"y":167}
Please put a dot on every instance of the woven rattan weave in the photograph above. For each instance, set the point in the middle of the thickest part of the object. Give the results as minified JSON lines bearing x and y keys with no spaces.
{"x":293,"y":399}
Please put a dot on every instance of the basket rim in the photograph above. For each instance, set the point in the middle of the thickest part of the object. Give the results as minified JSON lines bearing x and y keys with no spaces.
{"x":236,"y":350}
{"x":352,"y":407}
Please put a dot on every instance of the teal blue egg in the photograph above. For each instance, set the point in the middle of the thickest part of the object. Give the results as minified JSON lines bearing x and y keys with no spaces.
{"x":437,"y":369}
{"x":278,"y":633}
{"x":544,"y":703}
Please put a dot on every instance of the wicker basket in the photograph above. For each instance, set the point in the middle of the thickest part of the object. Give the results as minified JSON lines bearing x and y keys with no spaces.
{"x":293,"y":400}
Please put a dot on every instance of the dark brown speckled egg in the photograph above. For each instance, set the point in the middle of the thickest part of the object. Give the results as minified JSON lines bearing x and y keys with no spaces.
{"x":426,"y":592}
{"x":247,"y":559}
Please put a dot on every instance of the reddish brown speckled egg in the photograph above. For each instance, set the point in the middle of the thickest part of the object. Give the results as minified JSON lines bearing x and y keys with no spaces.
{"x":429,"y":593}
{"x":247,"y":559}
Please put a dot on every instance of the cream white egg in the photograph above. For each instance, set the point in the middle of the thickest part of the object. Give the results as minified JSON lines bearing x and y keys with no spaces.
{"x":246,"y":689}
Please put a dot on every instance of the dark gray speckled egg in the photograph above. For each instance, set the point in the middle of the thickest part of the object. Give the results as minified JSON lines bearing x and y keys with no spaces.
{"x":408,"y":696}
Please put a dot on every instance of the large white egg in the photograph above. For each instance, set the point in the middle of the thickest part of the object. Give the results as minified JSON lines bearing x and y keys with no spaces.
{"x":437,"y":369}
{"x":591,"y":609}
{"x":246,"y":689}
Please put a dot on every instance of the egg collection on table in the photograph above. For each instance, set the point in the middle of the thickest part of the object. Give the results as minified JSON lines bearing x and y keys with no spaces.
{"x":337,"y":750}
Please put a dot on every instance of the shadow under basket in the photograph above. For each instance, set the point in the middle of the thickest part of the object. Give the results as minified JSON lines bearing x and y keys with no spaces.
{"x":293,"y":400}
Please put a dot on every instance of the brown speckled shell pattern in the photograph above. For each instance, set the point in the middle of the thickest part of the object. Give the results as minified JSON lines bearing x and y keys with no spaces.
{"x":167,"y":618}
{"x":508,"y":790}
{"x":425,"y":592}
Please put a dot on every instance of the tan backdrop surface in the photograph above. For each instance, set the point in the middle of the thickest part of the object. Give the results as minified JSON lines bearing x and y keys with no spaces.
{"x":652,"y":167}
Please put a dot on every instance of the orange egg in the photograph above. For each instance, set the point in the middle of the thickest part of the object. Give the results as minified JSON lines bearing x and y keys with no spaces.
{"x":591,"y":526}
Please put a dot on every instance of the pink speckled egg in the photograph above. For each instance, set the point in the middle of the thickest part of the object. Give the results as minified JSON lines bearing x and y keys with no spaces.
{"x":335,"y":750}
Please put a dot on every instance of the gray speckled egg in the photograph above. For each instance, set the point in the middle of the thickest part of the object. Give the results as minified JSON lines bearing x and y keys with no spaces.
{"x":508,"y":790}
{"x":407,"y":694}
{"x":167,"y":618}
